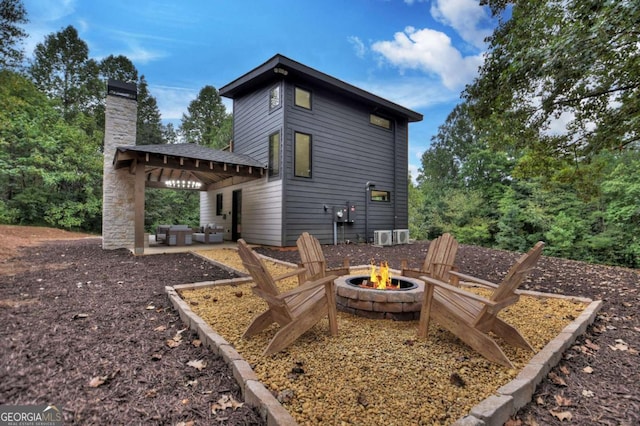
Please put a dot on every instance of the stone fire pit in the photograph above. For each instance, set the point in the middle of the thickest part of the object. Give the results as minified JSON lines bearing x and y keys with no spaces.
{"x":397,"y":304}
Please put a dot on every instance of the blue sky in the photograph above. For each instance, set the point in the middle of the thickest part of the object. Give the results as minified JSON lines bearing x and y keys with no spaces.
{"x":417,"y":53}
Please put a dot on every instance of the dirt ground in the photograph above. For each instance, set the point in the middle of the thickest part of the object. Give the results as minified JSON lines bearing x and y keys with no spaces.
{"x":93,"y":332}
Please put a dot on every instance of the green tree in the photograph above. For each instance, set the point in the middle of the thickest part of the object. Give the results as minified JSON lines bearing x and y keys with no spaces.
{"x":12,"y":14}
{"x":61,"y":68}
{"x":618,"y":239}
{"x":206,"y":122}
{"x":50,"y":169}
{"x":575,"y":85}
{"x":169,"y":133}
{"x":545,"y":145}
{"x":449,"y":149}
{"x":149,"y":125}
{"x":459,"y":164}
{"x":171,"y":206}
{"x":522,"y":220}
{"x":417,"y":222}
{"x":118,"y":68}
{"x":112,"y":68}
{"x":464,"y":216}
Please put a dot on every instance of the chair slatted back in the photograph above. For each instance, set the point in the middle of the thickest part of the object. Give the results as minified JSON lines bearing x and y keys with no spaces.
{"x":505,"y":293}
{"x":518,"y":273}
{"x":440,"y":257}
{"x":311,"y":255}
{"x":262,"y":278}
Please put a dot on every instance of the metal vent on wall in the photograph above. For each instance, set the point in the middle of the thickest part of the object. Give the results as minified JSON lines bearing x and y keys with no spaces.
{"x":401,"y":236}
{"x":382,"y":238}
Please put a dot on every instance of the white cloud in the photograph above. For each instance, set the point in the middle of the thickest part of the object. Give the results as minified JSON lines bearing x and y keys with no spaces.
{"x":141,"y":55}
{"x":172,"y":101}
{"x":414,"y":171}
{"x":557,"y":126}
{"x":43,"y":16}
{"x":49,"y":10}
{"x":136,"y":46}
{"x":358,"y":46}
{"x":82,"y":26}
{"x":470,"y":21}
{"x":430,"y":51}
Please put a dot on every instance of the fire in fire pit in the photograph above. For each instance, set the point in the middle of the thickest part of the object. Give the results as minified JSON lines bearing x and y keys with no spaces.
{"x":381,"y":280}
{"x":401,"y":301}
{"x":395,"y":284}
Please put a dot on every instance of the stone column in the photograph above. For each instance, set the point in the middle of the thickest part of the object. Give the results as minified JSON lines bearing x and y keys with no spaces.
{"x":118,"y":193}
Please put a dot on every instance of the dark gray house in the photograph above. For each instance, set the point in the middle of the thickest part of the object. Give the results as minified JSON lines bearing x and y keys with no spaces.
{"x":337,"y":160}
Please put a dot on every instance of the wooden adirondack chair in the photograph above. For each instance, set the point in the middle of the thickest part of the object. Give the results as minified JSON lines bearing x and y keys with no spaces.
{"x":471,"y":317}
{"x":438,"y":262}
{"x":296,"y":311}
{"x":313,"y":259}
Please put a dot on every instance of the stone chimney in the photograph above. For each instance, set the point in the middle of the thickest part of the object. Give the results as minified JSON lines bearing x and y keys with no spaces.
{"x":118,"y":224}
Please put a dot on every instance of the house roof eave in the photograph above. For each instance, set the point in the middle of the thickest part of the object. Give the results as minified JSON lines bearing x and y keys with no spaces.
{"x":281,"y":65}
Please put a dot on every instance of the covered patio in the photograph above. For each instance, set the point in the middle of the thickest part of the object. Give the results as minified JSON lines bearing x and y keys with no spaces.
{"x":188,"y":167}
{"x":130,"y":168}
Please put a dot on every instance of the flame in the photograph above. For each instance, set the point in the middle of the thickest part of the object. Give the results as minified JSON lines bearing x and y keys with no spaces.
{"x":373,"y":277}
{"x":380,"y":281}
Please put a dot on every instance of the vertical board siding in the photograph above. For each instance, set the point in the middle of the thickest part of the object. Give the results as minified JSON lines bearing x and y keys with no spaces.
{"x":262,"y":212}
{"x":347,"y":151}
{"x":261,"y":199}
{"x":253,"y":123}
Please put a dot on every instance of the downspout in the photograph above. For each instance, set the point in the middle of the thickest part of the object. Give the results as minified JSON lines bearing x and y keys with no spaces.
{"x":367,"y":197}
{"x":366,"y":212}
{"x":284,"y":134}
{"x":395,"y":172}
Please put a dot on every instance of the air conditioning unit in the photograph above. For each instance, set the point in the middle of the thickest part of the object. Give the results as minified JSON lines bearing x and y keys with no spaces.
{"x":382,"y":238}
{"x":401,"y":236}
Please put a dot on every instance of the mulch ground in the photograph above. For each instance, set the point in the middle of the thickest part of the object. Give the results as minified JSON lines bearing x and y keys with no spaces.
{"x":93,"y":332}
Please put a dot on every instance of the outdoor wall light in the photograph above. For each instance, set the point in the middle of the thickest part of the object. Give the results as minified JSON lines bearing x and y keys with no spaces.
{"x":183,"y":184}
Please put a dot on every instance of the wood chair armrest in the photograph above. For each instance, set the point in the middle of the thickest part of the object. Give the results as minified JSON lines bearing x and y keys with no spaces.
{"x":453,"y":267}
{"x":269,"y":298}
{"x":309,"y":285}
{"x":506,"y":302}
{"x":453,"y":289}
{"x":339,"y":271}
{"x":289,"y":274}
{"x":469,"y":278}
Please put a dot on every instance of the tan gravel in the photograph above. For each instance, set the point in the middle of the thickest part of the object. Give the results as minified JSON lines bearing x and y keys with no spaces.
{"x":375,"y":371}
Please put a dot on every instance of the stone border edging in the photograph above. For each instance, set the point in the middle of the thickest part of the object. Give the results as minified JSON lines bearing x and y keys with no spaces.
{"x":508,"y":399}
{"x":494,"y":410}
{"x":254,"y":392}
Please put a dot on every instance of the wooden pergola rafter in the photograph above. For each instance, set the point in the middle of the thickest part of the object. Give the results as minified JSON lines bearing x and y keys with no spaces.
{"x":163,"y":163}
{"x":154,"y":166}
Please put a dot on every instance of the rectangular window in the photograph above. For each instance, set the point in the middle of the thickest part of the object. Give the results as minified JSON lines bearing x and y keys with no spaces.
{"x":303,"y":98}
{"x":219,"y":205}
{"x":379,"y":121}
{"x":274,"y":97}
{"x":302,"y":153}
{"x":380,"y":195}
{"x":274,"y":154}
